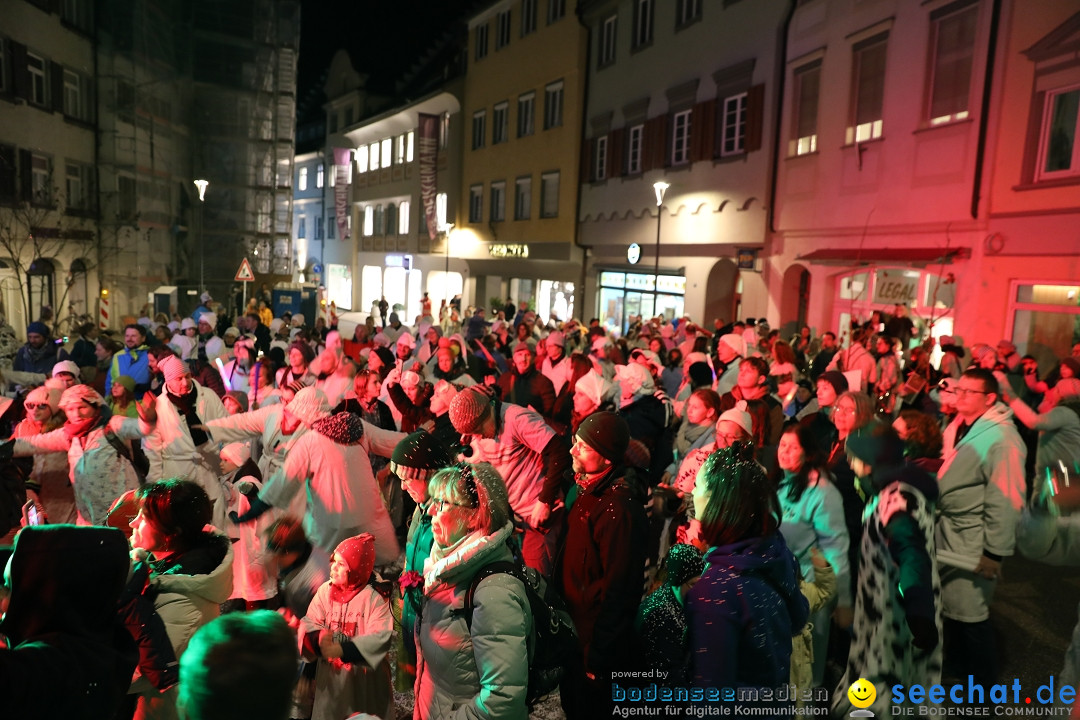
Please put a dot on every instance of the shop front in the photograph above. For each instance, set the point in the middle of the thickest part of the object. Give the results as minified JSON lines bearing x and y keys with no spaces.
{"x":624,"y":295}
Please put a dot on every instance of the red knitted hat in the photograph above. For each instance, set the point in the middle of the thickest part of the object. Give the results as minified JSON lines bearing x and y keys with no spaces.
{"x":358,"y":553}
{"x":468,"y":410}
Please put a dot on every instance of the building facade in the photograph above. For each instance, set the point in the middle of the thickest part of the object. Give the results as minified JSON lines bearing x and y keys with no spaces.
{"x":682,"y":93}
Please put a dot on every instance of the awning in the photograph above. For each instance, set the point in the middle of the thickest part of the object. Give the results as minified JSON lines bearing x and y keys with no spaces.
{"x":873,"y":256}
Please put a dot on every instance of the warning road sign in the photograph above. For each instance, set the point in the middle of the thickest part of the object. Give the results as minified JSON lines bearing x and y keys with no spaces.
{"x":245,"y":274}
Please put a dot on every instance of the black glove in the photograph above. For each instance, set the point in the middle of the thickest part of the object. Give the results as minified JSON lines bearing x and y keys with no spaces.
{"x":258,"y":507}
{"x":924,"y":633}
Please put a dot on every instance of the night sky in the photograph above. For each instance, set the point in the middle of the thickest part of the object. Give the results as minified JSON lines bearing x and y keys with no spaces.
{"x":382,"y":36}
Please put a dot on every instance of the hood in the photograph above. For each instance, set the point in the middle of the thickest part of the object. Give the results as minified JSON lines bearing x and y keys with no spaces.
{"x":343,"y":428}
{"x":769,"y":559}
{"x":999,"y":414}
{"x":907,"y":473}
{"x":65,"y":579}
{"x":214,"y":586}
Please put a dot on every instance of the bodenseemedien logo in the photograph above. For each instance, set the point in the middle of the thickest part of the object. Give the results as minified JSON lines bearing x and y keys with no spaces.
{"x":862,"y":694}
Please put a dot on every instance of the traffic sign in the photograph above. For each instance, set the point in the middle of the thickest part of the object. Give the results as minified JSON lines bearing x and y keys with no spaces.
{"x":245,"y":274}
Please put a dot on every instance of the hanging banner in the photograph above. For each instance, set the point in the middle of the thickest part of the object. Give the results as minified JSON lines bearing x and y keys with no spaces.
{"x":428,"y":148}
{"x":342,"y":175}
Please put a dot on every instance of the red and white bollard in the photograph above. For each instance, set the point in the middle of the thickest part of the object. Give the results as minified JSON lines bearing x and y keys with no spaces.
{"x":103,"y":315}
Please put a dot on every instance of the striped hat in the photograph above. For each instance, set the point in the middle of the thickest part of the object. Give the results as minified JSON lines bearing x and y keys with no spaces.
{"x":419,"y":456}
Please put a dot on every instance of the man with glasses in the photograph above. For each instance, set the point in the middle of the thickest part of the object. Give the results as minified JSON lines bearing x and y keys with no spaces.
{"x":981,"y":485}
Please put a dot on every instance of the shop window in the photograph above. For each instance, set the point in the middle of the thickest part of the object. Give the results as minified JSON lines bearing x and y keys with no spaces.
{"x":339,"y":286}
{"x":1045,"y":320}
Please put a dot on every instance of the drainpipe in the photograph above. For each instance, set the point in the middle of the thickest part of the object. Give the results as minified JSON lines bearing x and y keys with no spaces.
{"x":781,"y":84}
{"x":984,"y":109}
{"x":581,"y":181}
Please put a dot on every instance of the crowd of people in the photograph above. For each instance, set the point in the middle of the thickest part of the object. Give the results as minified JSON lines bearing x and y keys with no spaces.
{"x":249,"y":516}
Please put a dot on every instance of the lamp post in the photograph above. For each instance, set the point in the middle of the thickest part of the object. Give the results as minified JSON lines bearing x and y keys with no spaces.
{"x":202,"y":185}
{"x":660,"y":187}
{"x":448,"y":228}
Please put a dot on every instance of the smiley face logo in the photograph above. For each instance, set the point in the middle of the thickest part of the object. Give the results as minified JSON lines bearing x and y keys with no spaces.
{"x":862,"y":693}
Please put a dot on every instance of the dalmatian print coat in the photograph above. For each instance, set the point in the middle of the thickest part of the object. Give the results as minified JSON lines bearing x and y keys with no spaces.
{"x":881,"y":649}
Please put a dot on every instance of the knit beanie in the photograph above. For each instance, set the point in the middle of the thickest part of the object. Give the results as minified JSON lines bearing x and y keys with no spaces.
{"x":638,"y":456}
{"x":241,"y":399}
{"x":208,"y":318}
{"x":309,"y":405}
{"x":358,"y":553}
{"x":877,"y":445}
{"x":683,"y":563}
{"x":606,"y":433}
{"x":127,"y":381}
{"x":419,"y":456}
{"x":594,"y":386}
{"x":237,"y":453}
{"x":38,"y":328}
{"x":304,"y":349}
{"x":81,"y":393}
{"x":173,"y":368}
{"x":735,"y":342}
{"x":468,"y":410}
{"x":635,"y":380}
{"x":836,"y":379}
{"x":66,"y":366}
{"x":385,"y":355}
{"x":407,"y":340}
{"x":187,"y":323}
{"x":739,"y":416}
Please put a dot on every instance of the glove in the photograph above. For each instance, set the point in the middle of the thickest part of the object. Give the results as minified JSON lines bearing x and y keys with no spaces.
{"x":924,"y":633}
{"x":258,"y":507}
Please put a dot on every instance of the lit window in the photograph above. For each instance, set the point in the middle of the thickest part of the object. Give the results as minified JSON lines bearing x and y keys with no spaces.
{"x":526,"y":104}
{"x":528,"y":17}
{"x":522,"y":198}
{"x":387,"y":152}
{"x":1059,"y":153}
{"x":476,"y":204}
{"x":549,"y":195}
{"x":440,"y":210}
{"x":606,"y":51}
{"x":498,"y":201}
{"x":36,"y":67}
{"x":600,"y":158}
{"x":643,"y":23}
{"x":553,"y":97}
{"x":502,"y":30}
{"x":952,"y":42}
{"x":409,"y":138}
{"x":868,"y":90}
{"x":373,"y":153}
{"x":499,"y":123}
{"x":361,"y":160}
{"x":369,"y":221}
{"x":733,"y":125}
{"x":478,"y":128}
{"x":301,"y":227}
{"x":403,"y":217}
{"x":399,"y":150}
{"x":480,"y":42}
{"x":320,"y":176}
{"x":634,"y":148}
{"x":556,"y":10}
{"x":680,"y":138}
{"x":805,"y":113}
{"x":302,"y":182}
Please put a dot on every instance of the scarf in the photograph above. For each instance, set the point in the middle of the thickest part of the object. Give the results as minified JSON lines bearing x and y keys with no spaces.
{"x":80,"y":428}
{"x":689,"y":434}
{"x":185,"y":405}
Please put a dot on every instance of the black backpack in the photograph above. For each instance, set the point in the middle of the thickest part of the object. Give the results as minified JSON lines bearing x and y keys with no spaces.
{"x":554,"y":638}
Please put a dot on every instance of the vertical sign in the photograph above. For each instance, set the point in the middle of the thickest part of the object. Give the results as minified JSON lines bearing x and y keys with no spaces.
{"x":342,"y":175}
{"x":428,"y":148}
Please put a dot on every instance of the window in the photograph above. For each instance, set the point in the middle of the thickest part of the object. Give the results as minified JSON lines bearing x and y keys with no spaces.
{"x":77,"y":183}
{"x":476,"y":204}
{"x":525,"y":120}
{"x":528,"y":17}
{"x":687,"y":13}
{"x":1058,"y":156}
{"x":804,"y":115}
{"x":40,"y":171}
{"x":498,"y":201}
{"x":8,"y":176}
{"x":126,"y":206}
{"x":301,"y":227}
{"x":733,"y":126}
{"x":380,"y":220}
{"x":480,"y":42}
{"x":633,"y":149}
{"x":403,"y":217}
{"x":502,"y":30}
{"x":399,"y":150}
{"x":553,"y":105}
{"x":409,"y":140}
{"x":373,"y":154}
{"x":867,"y":89}
{"x":36,"y":67}
{"x":606,"y":51}
{"x":301,"y":184}
{"x":643,"y":23}
{"x":77,"y":14}
{"x":369,"y":221}
{"x":320,"y":175}
{"x":478,"y":130}
{"x":73,"y":106}
{"x":361,"y":161}
{"x":600,"y":158}
{"x":440,"y":210}
{"x":952,"y":42}
{"x":499,"y":123}
{"x":680,"y":138}
{"x":319,"y":227}
{"x":387,"y":152}
{"x":331,"y":225}
{"x":549,"y":195}
{"x":522,"y":198}
{"x":556,"y":10}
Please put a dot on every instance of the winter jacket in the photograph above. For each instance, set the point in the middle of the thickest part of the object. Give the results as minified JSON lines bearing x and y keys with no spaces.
{"x":647,"y":419}
{"x":480,"y":670}
{"x":816,"y":519}
{"x":41,"y":360}
{"x":600,"y":567}
{"x":98,"y":473}
{"x":743,"y":613}
{"x":69,"y":658}
{"x":531,"y":390}
{"x":558,"y":373}
{"x":417,"y":548}
{"x":1059,"y":440}
{"x":661,"y":625}
{"x":981,"y":484}
{"x":133,"y":363}
{"x":331,"y":463}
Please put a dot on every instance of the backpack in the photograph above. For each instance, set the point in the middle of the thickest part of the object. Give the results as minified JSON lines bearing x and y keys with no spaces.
{"x":554,"y":638}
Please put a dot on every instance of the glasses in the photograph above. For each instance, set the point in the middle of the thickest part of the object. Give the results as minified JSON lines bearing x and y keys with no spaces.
{"x":844,"y":410}
{"x":967,"y":391}
{"x":441,"y":505}
{"x":34,"y":406}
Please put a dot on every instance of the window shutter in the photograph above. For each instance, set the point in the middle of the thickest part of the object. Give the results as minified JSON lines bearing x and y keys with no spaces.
{"x":20,"y":75}
{"x":8,"y":184}
{"x":616,"y":150}
{"x":755,"y":113}
{"x":702,"y":121}
{"x":56,"y":81}
{"x":655,"y":143}
{"x":26,"y":175}
{"x":586,"y":160}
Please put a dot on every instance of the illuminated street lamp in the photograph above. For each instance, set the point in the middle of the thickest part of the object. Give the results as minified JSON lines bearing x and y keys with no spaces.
{"x":202,"y":185}
{"x":447,"y":229}
{"x":660,"y":187}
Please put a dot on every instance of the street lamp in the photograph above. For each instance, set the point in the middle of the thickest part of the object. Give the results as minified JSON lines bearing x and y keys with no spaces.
{"x":660,"y":187}
{"x":202,"y":185}
{"x":447,"y":229}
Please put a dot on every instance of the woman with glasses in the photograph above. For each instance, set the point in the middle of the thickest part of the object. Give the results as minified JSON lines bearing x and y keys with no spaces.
{"x":474,"y":667}
{"x":48,"y":486}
